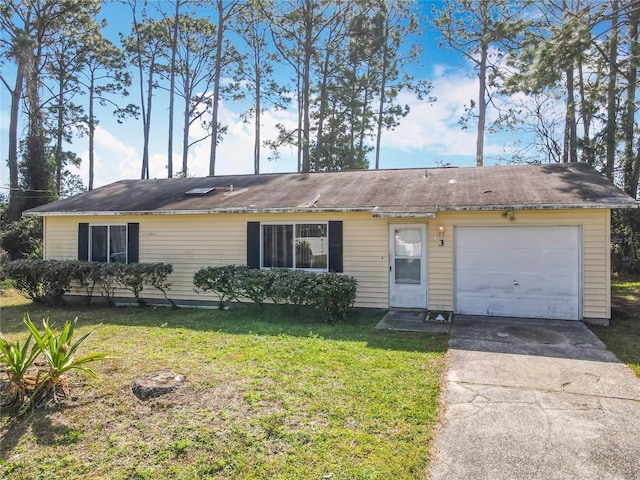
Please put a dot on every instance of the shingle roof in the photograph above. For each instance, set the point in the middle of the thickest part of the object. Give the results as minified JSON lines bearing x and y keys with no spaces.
{"x":411,"y":192}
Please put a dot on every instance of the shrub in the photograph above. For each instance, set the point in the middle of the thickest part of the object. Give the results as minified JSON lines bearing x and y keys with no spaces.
{"x":108,"y":277}
{"x":329,"y":293}
{"x":335,"y":295}
{"x":46,"y":281}
{"x":276,"y":284}
{"x":86,"y":275}
{"x":135,"y":276}
{"x":158,"y":279}
{"x":42,"y":281}
{"x":253,"y":284}
{"x":224,"y":281}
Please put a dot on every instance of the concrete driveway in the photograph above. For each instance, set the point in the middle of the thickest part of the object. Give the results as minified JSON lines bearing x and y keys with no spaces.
{"x":536,"y":399}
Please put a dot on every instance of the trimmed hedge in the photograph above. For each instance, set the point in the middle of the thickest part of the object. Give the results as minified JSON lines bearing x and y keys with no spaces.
{"x":330,"y":293}
{"x":46,"y":281}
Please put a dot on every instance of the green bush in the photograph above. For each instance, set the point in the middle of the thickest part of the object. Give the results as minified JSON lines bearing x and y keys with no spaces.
{"x":331,"y":294}
{"x":42,"y":281}
{"x":276,"y":284}
{"x":108,"y":280}
{"x":335,"y":295}
{"x":86,"y":275}
{"x":158,"y":279}
{"x":254,"y":285}
{"x":135,"y":276}
{"x":224,"y":281}
{"x":46,"y":281}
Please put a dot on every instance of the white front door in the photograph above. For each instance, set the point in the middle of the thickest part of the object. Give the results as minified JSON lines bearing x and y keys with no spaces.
{"x":408,"y":265}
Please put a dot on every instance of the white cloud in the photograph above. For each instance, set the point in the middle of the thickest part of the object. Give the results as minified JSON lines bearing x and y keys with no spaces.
{"x":234,"y":154}
{"x":434,"y":127}
{"x":114,"y":160}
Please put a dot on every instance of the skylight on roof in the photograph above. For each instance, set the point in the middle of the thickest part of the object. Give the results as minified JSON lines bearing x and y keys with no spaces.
{"x":200,"y":192}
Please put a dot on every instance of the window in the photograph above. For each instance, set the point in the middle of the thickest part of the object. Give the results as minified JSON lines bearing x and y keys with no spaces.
{"x":108,"y":243}
{"x":299,"y":245}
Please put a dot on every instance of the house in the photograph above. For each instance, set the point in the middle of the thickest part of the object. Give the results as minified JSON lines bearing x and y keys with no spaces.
{"x":521,"y":240}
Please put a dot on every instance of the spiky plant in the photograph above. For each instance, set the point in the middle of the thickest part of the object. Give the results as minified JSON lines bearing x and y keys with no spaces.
{"x":17,"y":359}
{"x":58,"y":350}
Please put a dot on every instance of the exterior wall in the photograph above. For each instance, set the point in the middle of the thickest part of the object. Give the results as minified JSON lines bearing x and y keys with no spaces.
{"x":190,"y":242}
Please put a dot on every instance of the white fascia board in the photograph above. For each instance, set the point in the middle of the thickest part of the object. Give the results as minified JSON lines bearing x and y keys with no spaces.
{"x":554,"y":206}
{"x":198,"y":212}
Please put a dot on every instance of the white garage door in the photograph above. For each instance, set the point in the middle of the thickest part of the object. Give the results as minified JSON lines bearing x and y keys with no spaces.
{"x":518,"y":271}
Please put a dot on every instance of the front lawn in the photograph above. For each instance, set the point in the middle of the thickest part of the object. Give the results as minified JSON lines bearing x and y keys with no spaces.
{"x":622,"y":336}
{"x":270,"y":395}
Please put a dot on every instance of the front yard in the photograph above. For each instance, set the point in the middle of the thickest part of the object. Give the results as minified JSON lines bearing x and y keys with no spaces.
{"x":269,"y":395}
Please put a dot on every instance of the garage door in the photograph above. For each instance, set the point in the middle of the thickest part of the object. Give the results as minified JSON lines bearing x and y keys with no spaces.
{"x":518,"y":271}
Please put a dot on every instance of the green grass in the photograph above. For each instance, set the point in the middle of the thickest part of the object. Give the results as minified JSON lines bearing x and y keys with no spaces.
{"x":270,"y":395}
{"x":622,"y":336}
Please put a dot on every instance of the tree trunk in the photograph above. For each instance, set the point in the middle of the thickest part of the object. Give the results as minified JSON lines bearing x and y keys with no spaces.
{"x":610,"y":134}
{"x":216,"y":89}
{"x":147,"y":125}
{"x":14,"y":207}
{"x":36,"y":177}
{"x":631,"y":163}
{"x":586,"y":118}
{"x":306,"y":111}
{"x":185,"y":136}
{"x":306,"y":84}
{"x":172,"y":88}
{"x":383,"y":89}
{"x":570,"y":152}
{"x":92,"y":131}
{"x":143,"y":107}
{"x":299,"y":132}
{"x":320,"y":155}
{"x":482,"y":103}
{"x":258,"y":119}
{"x":59,"y":131}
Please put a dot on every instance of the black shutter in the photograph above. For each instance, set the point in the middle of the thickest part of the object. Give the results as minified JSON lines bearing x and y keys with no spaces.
{"x":335,"y":246}
{"x":253,"y":244}
{"x":83,"y":241}
{"x":133,"y":242}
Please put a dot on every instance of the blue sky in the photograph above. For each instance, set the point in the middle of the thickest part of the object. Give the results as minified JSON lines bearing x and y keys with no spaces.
{"x":429,"y":136}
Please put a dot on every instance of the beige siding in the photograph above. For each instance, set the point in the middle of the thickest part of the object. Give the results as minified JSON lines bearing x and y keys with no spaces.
{"x":190,"y":242}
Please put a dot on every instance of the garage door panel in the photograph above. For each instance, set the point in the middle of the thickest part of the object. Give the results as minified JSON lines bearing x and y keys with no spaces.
{"x":518,"y":271}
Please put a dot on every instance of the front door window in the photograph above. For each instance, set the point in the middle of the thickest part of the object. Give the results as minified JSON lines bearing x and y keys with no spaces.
{"x":408,"y":256}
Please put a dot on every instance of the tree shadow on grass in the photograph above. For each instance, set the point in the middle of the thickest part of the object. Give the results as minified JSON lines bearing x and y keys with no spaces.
{"x":39,"y":422}
{"x":239,"y":319}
